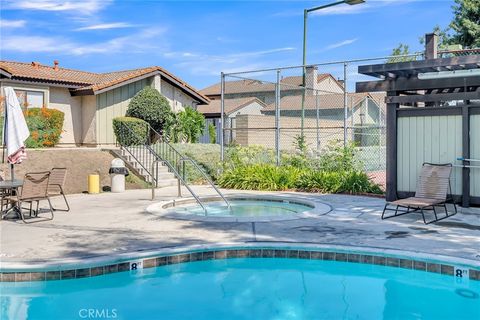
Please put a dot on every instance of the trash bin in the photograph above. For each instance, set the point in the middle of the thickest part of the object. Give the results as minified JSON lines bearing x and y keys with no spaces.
{"x":118,"y":172}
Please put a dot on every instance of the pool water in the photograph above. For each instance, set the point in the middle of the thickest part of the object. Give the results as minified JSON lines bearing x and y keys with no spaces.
{"x":248,"y":289}
{"x":244,"y":208}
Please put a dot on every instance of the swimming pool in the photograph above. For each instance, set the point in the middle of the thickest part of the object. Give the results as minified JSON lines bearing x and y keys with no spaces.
{"x":248,"y":288}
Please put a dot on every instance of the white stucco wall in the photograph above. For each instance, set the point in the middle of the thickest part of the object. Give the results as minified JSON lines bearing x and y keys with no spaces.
{"x":61,"y":99}
{"x":88,"y":119}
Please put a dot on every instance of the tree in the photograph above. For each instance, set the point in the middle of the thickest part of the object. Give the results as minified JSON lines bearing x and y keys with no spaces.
{"x":192,"y":124}
{"x":466,"y":23}
{"x":398,"y":54}
{"x":149,"y":105}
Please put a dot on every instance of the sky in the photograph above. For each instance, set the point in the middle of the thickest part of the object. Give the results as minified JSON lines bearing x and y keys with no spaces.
{"x":196,"y":40}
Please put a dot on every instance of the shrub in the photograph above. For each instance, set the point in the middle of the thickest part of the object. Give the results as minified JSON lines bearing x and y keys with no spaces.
{"x":130,"y":131}
{"x":149,"y":105}
{"x":45,"y":127}
{"x":192,"y":124}
{"x":337,"y":157}
{"x":265,"y":177}
{"x":271,"y":178}
{"x":243,"y":156}
{"x":212,"y":133}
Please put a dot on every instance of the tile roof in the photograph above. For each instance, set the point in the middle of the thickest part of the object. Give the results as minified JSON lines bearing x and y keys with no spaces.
{"x":83,"y":81}
{"x":250,"y":85}
{"x":231,"y":105}
{"x":325,"y":101}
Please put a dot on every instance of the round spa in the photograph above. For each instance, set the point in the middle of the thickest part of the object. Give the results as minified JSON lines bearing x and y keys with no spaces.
{"x":240,"y":208}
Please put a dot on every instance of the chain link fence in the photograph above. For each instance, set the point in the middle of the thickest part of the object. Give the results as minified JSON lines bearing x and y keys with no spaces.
{"x":309,"y":108}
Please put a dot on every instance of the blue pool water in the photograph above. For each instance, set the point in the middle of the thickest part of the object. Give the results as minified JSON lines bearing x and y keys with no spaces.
{"x":244,"y":208}
{"x":248,"y":289}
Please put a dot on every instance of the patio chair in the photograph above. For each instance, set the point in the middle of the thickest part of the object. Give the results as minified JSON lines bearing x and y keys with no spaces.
{"x":433,"y":185}
{"x":34,"y":189}
{"x":56,"y":184}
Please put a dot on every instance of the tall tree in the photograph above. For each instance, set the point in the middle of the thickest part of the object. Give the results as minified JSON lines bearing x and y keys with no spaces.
{"x":466,"y":23}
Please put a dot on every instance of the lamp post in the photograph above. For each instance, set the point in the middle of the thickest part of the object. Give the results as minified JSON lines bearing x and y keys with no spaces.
{"x":305,"y":16}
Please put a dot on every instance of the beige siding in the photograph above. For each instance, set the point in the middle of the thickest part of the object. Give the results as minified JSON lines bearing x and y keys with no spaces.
{"x":111,"y":104}
{"x":60,"y":99}
{"x":176,"y":97}
{"x":88,"y":119}
{"x":435,"y":139}
{"x":475,"y":154}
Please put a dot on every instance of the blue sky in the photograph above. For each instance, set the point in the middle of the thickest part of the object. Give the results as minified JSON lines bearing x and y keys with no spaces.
{"x":196,"y":39}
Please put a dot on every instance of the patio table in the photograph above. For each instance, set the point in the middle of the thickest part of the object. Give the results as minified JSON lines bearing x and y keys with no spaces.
{"x":11,"y":186}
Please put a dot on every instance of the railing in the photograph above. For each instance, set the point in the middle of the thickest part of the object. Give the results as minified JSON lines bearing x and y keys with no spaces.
{"x":153,"y":144}
{"x":168,"y":153}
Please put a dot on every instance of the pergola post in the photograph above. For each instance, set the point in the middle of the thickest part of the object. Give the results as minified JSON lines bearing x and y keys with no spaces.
{"x":391,"y":170}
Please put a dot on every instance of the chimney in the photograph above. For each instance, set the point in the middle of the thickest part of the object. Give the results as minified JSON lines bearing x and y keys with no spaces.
{"x":35,"y":64}
{"x":55,"y":65}
{"x":311,"y":79}
{"x":431,"y":46}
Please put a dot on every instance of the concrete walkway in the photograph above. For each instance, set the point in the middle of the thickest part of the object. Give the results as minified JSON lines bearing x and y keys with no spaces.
{"x":110,"y":224}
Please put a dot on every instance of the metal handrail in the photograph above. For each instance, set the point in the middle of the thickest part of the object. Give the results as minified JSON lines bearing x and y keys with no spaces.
{"x":158,"y":158}
{"x":182,"y":158}
{"x":207,"y":178}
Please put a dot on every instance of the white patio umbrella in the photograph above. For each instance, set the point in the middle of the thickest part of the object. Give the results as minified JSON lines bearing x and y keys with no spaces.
{"x":15,"y":130}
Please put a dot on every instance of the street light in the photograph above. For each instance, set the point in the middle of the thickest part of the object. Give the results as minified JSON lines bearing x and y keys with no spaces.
{"x":305,"y":16}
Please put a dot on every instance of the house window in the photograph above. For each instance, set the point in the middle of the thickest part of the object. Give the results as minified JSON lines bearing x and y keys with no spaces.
{"x":30,"y":99}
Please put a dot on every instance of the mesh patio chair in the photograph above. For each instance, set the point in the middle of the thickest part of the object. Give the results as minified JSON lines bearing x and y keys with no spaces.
{"x":56,"y":184}
{"x":34,"y":189}
{"x":433,"y":186}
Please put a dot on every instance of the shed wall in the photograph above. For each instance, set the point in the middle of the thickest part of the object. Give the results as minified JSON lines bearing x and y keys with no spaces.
{"x":434,"y":139}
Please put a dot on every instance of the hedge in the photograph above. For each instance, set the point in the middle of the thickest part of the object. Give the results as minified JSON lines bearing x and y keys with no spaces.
{"x":130,"y":131}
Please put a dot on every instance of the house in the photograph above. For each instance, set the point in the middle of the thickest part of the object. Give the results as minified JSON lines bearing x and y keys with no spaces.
{"x":91,"y":100}
{"x":232,"y":108}
{"x":364,"y":109}
{"x":265,"y":91}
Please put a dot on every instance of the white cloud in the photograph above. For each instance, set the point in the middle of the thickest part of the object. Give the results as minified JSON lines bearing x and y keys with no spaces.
{"x":106,"y":26}
{"x":133,"y":43}
{"x":207,"y":64}
{"x":341,"y":44}
{"x":77,"y":6}
{"x":12,"y":23}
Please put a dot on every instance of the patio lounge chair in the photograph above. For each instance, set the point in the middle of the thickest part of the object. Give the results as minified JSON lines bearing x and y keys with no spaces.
{"x":34,"y":189}
{"x":56,"y":183}
{"x":433,"y":185}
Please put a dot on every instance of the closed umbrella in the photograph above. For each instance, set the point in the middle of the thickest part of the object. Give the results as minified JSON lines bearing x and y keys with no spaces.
{"x":15,"y":130}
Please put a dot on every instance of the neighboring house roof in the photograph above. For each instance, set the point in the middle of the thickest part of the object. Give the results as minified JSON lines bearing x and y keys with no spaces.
{"x":325,"y":101}
{"x":251,"y":86}
{"x":231,"y":105}
{"x":85,"y":83}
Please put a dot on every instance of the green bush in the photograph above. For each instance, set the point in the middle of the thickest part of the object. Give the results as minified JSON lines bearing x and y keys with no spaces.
{"x":130,"y":131}
{"x":149,"y":105}
{"x":271,"y":178}
{"x":212,"y":133}
{"x":45,"y":127}
{"x":267,"y":177}
{"x":192,"y":124}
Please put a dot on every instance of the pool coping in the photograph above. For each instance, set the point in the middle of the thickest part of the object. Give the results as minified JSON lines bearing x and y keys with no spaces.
{"x":317,"y":208}
{"x":76,"y":268}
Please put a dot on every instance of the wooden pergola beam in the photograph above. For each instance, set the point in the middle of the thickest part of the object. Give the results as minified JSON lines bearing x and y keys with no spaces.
{"x":404,"y":84}
{"x":434,"y":97}
{"x":415,"y":67}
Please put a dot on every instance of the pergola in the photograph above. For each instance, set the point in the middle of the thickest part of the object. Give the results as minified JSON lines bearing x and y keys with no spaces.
{"x":433,"y":115}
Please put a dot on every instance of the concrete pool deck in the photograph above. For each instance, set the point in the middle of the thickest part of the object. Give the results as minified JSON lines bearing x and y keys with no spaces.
{"x":108,"y":225}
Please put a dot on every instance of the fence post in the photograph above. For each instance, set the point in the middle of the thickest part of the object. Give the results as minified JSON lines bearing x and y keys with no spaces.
{"x":222,"y":111}
{"x":277,"y":118}
{"x":345,"y":111}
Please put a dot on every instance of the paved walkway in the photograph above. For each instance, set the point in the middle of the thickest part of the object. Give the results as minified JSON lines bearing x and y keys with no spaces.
{"x":106,"y":224}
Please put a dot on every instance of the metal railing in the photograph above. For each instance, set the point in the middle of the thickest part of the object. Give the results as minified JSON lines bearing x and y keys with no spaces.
{"x":154,"y":145}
